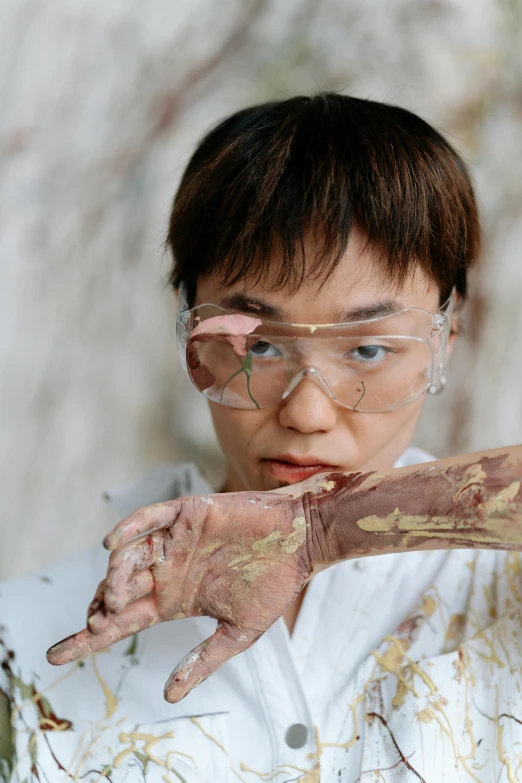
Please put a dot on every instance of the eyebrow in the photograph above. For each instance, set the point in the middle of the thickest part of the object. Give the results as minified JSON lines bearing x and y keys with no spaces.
{"x":254,"y":306}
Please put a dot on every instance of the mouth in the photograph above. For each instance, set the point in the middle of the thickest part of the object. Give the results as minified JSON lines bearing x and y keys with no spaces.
{"x":293,"y":469}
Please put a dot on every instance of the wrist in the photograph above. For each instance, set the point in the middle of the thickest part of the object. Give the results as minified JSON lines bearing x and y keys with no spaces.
{"x":332,"y":504}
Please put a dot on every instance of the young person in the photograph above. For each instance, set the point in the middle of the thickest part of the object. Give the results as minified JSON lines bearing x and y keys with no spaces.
{"x":320,"y":247}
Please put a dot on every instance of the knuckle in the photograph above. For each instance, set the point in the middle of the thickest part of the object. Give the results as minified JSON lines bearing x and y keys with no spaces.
{"x":112,"y":635}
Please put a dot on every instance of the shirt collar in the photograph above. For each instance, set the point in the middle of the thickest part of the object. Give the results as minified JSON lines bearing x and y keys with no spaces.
{"x":164,"y":482}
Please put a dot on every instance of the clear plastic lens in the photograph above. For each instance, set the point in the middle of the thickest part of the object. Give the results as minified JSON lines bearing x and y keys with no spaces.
{"x":369,"y":376}
{"x":370,"y":366}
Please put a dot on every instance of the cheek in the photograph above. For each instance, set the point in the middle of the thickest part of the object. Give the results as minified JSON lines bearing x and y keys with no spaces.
{"x":234,"y":428}
{"x":376,"y":432}
{"x":225,"y":424}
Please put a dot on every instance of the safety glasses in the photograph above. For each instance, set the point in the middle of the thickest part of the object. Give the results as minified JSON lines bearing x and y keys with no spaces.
{"x":376,"y":365}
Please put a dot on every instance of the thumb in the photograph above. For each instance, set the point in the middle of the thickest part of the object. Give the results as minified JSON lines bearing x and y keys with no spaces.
{"x":205,"y":659}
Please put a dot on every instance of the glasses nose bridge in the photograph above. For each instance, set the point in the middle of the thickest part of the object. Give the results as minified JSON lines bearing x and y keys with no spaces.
{"x":309,"y":372}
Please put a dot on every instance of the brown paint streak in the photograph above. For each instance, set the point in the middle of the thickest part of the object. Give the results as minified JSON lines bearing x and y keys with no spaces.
{"x":402,"y":757}
{"x":511,"y":717}
{"x":463,"y":496}
{"x":200,"y":373}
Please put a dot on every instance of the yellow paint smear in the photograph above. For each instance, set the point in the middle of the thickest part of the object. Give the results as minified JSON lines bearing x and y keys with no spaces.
{"x":111,"y":702}
{"x":425,"y":715}
{"x":393,"y":662}
{"x":293,"y":541}
{"x":326,"y":485}
{"x":267,"y":550}
{"x":428,"y":605}
{"x":264,"y":545}
{"x":430,"y":714}
{"x":394,"y":657}
{"x":501,"y":504}
{"x":473,"y":475}
{"x":311,"y":775}
{"x":312,"y":327}
{"x":355,"y":734}
{"x":149,"y":740}
{"x":512,"y":572}
{"x":464,"y":670}
{"x":492,"y":523}
{"x":281,"y":769}
{"x":213,"y":739}
{"x":492,"y":658}
{"x":435,"y":713}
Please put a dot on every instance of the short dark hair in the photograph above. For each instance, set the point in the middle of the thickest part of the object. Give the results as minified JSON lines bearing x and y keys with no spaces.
{"x":270,"y":172}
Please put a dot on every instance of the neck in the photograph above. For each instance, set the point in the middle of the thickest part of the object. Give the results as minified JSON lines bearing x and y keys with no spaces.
{"x":232,"y":483}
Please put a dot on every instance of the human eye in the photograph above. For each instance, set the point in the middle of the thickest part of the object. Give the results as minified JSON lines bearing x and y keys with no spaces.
{"x":267,"y":350}
{"x":370,"y":354}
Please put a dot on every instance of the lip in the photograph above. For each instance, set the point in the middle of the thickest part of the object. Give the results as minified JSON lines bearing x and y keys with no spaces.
{"x":302,"y":462}
{"x":292,"y":473}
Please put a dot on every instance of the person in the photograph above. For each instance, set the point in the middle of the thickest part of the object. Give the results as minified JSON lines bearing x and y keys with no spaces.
{"x":321,"y":248}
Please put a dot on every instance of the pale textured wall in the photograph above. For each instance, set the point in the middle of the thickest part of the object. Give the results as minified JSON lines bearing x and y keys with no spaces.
{"x":101,"y":104}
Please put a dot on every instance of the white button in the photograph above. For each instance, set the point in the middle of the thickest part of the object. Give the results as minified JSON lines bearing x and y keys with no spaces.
{"x":296,"y":735}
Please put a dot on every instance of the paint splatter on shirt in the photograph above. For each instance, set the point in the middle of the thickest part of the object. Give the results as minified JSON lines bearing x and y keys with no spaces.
{"x":403,"y":667}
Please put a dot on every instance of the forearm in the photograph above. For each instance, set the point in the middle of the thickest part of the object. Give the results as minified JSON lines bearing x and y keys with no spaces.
{"x":470,"y":501}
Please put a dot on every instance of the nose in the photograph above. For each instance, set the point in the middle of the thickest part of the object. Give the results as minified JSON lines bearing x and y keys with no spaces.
{"x":309,"y":404}
{"x":309,"y":372}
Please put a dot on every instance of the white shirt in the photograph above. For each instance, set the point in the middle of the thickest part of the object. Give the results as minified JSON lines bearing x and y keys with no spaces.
{"x":401,"y":667}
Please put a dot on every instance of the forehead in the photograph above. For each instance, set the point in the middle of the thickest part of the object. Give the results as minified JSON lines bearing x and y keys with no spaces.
{"x":358,"y":288}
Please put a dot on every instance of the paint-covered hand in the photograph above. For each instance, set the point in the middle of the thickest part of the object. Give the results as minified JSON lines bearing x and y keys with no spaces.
{"x":243,"y":557}
{"x":240,"y":557}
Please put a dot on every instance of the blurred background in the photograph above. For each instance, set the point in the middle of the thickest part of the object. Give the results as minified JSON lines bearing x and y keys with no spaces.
{"x":102,"y":104}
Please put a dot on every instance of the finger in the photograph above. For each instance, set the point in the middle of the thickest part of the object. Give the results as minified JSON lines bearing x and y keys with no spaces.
{"x":143,"y":520}
{"x":138,"y":586}
{"x":137,"y":616}
{"x":205,"y":659}
{"x":96,"y":606}
{"x":123,"y":563}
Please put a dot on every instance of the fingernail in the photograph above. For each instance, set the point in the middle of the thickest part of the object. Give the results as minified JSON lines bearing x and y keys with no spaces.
{"x":68,"y":649}
{"x":172,"y":697}
{"x":173,"y":691}
{"x":56,"y":652}
{"x":172,"y":694}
